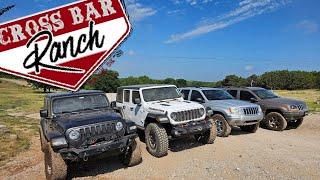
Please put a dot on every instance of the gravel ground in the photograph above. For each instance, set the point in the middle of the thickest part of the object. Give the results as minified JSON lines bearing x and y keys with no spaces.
{"x":291,"y":154}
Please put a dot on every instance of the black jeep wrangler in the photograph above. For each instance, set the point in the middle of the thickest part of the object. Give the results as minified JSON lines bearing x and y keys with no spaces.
{"x":77,"y":126}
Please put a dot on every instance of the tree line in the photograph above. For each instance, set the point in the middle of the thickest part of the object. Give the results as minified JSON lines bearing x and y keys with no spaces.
{"x":109,"y":81}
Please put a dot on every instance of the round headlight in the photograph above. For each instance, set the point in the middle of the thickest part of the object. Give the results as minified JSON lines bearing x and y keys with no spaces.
{"x":74,"y":135}
{"x":201,"y":111}
{"x":174,"y":116}
{"x":119,"y":126}
{"x":294,"y":107}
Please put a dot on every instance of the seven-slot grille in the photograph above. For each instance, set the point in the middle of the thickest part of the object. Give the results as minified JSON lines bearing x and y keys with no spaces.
{"x":93,"y":130}
{"x":188,"y":115}
{"x":251,"y":110}
{"x":300,"y":107}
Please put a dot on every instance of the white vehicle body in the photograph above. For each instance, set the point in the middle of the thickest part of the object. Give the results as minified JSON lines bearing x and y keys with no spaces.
{"x":175,"y":111}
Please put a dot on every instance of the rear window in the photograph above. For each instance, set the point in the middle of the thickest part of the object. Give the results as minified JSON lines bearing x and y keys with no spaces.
{"x":233,"y":93}
{"x":119,"y":96}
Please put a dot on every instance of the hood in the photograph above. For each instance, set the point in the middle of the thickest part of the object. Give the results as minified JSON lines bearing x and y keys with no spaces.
{"x":172,"y":106}
{"x":283,"y":101}
{"x":86,"y":118}
{"x":229,"y":103}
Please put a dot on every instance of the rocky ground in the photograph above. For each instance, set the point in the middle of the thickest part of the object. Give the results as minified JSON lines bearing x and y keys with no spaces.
{"x":291,"y":154}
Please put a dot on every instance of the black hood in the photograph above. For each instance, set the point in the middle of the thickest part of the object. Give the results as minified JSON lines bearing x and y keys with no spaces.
{"x":86,"y":118}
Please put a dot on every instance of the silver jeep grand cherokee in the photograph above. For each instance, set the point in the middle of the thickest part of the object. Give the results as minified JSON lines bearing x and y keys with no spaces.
{"x":225,"y":110}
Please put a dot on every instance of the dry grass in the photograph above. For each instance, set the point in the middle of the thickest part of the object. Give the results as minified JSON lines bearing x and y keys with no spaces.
{"x":312,"y":97}
{"x":19,"y":100}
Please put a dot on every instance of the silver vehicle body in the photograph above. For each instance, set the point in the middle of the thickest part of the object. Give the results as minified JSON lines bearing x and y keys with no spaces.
{"x":236,"y":112}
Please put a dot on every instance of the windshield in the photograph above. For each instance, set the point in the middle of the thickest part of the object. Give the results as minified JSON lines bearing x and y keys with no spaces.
{"x":79,"y":103}
{"x":159,"y":94}
{"x":216,"y":95}
{"x":265,"y":94}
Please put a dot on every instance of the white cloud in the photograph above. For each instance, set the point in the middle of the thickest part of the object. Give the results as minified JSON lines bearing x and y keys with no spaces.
{"x":176,"y":12}
{"x":192,"y":2}
{"x":248,"y":68}
{"x":130,"y":53}
{"x":308,"y":26}
{"x":246,"y":9}
{"x":138,"y":11}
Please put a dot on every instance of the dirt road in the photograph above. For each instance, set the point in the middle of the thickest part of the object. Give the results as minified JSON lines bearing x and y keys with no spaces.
{"x":291,"y":154}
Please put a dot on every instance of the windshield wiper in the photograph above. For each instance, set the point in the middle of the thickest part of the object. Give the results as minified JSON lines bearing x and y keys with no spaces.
{"x":69,"y":112}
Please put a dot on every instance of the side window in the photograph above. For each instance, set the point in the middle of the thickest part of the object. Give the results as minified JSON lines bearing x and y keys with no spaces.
{"x":195,"y":95}
{"x":233,"y":93}
{"x":135,"y":95}
{"x":126,"y":96}
{"x":119,"y":95}
{"x":246,"y":96}
{"x":185,"y":94}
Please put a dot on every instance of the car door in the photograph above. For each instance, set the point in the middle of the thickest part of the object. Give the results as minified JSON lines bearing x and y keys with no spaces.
{"x":246,"y":95}
{"x":134,"y":111}
{"x":185,"y":93}
{"x":196,"y":96}
{"x":126,"y":104}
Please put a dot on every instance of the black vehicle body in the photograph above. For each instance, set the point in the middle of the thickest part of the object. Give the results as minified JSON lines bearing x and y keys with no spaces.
{"x":97,"y":129}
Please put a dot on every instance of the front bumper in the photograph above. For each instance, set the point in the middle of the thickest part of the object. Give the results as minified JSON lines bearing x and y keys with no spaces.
{"x":243,"y":120}
{"x":290,"y":116}
{"x":96,"y":149}
{"x":191,"y":128}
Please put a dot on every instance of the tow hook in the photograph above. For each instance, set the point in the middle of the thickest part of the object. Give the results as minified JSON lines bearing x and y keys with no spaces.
{"x":85,"y":157}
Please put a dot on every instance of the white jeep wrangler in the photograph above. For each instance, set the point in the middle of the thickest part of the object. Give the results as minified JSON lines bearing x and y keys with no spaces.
{"x":161,"y":113}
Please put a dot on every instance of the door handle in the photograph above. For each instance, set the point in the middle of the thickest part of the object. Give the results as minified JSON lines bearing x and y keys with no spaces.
{"x":131,"y":108}
{"x":123,"y":107}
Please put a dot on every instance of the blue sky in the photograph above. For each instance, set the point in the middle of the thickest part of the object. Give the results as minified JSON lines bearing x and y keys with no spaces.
{"x":208,"y":39}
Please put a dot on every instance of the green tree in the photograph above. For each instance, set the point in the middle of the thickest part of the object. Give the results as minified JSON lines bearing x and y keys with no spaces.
{"x":169,"y":81}
{"x":106,"y":80}
{"x":37,"y":85}
{"x":233,"y":80}
{"x":181,"y":83}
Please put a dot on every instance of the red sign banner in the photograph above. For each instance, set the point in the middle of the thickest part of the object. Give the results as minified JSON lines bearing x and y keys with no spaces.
{"x":63,"y":46}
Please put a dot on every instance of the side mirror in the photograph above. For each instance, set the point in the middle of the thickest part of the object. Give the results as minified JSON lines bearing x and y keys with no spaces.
{"x":182,"y":95}
{"x":137,"y":101}
{"x":200,"y":100}
{"x":43,"y":113}
{"x":253,"y":100}
{"x":113,"y":104}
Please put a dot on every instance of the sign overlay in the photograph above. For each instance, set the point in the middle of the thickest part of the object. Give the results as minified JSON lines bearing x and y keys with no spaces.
{"x":63,"y":46}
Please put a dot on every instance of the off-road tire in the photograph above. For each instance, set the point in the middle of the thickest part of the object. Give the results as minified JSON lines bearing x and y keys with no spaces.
{"x":223,"y":128}
{"x":55,"y":166}
{"x":132,"y":156}
{"x":43,"y":141}
{"x":250,"y":128}
{"x":208,"y":137}
{"x":275,"y":121}
{"x":156,"y":140}
{"x":295,"y":124}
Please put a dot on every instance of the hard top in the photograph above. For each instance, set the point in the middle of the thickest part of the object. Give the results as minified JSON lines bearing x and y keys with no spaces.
{"x":137,"y":87}
{"x":78,"y":93}
{"x":200,"y":88}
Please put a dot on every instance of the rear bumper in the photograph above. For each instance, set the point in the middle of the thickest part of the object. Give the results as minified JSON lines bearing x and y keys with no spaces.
{"x":244,"y":120}
{"x":290,"y":116}
{"x":191,"y":128}
{"x":74,"y":153}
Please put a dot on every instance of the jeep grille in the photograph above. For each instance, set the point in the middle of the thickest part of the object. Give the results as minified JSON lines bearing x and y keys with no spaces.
{"x":98,"y":129}
{"x":188,"y":115}
{"x":251,"y":111}
{"x":105,"y":131}
{"x":301,"y":107}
